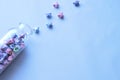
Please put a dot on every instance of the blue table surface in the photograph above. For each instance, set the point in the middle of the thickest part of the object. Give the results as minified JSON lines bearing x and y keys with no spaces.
{"x":83,"y":46}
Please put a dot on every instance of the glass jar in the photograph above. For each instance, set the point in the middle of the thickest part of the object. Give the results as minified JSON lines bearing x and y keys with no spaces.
{"x":13,"y":43}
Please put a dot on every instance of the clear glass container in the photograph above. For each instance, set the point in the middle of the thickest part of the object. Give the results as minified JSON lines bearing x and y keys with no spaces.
{"x":11,"y":45}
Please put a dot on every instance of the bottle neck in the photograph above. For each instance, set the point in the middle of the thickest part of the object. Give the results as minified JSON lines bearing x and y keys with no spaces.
{"x":25,"y":29}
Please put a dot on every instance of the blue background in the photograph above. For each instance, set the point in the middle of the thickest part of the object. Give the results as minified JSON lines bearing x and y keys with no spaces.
{"x":83,"y":46}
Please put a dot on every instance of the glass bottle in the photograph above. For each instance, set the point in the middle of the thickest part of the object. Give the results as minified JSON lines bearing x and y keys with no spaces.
{"x":11,"y":45}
